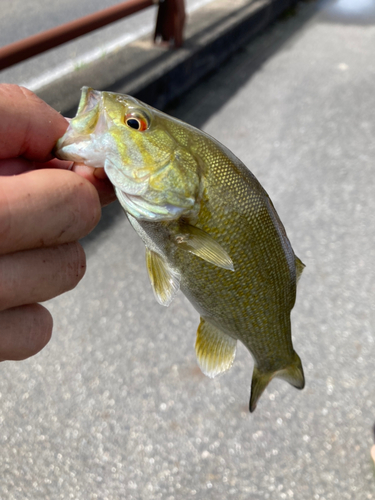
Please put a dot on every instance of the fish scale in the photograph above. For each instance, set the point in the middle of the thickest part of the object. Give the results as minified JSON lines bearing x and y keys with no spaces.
{"x":209,"y":228}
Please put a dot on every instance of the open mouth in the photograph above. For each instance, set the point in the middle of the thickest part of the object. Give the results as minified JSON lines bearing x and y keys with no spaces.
{"x":71,"y":152}
{"x":76,"y":143}
{"x":89,"y":99}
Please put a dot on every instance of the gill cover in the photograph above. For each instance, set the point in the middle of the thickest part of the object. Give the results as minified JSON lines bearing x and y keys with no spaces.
{"x":155,"y":175}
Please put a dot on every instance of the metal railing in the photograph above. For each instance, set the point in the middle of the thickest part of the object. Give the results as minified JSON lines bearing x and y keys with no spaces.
{"x":169,"y":29}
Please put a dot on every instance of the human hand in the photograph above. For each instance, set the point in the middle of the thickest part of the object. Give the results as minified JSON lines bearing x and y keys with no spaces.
{"x":44,"y":209}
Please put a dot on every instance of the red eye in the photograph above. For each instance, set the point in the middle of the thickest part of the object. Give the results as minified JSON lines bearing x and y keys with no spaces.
{"x":136,"y":122}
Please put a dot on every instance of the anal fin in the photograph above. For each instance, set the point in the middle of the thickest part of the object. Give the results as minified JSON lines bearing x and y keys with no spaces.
{"x":215,"y":349}
{"x":165,"y":281}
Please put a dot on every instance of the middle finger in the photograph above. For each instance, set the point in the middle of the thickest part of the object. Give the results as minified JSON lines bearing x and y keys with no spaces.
{"x":40,"y":274}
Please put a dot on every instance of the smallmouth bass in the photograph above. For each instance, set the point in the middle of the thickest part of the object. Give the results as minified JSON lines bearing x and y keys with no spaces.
{"x":209,"y":228}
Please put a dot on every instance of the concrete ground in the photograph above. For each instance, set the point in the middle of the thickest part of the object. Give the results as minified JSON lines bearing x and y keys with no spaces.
{"x":115,"y":406}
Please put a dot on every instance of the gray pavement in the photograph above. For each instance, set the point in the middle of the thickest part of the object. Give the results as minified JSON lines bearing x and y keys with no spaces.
{"x":115,"y":406}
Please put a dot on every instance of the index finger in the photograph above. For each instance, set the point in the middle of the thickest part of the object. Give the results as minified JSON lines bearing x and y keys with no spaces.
{"x":29,"y":127}
{"x":44,"y":208}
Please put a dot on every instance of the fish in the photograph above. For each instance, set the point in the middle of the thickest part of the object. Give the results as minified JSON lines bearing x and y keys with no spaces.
{"x":209,"y":228}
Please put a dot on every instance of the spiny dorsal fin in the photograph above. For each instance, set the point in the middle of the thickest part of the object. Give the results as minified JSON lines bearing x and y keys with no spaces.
{"x":196,"y":241}
{"x":300,"y":266}
{"x":164,"y":281}
{"x":215,"y":349}
{"x":293,"y":374}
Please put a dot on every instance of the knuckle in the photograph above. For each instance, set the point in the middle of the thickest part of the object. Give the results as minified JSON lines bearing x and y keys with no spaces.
{"x":39,"y":330}
{"x":75,"y":267}
{"x":5,"y":216}
{"x":40,"y":274}
{"x":91,"y":206}
{"x":82,"y":207}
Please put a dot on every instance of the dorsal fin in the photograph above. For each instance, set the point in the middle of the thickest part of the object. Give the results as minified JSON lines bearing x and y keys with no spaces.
{"x":300,"y":266}
{"x":215,"y":349}
{"x":165,"y":281}
{"x":196,"y":241}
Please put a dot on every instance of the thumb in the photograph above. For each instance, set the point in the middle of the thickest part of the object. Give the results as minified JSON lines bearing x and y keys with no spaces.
{"x":29,"y":127}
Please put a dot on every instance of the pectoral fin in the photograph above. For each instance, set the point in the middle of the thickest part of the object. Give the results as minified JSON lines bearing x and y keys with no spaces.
{"x":196,"y":241}
{"x":165,"y":281}
{"x":215,"y":349}
{"x":293,"y":374}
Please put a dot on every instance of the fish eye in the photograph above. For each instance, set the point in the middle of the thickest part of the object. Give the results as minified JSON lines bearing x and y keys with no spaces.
{"x":136,"y":122}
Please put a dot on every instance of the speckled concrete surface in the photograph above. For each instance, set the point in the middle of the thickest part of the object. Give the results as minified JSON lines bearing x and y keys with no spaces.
{"x":116,"y":408}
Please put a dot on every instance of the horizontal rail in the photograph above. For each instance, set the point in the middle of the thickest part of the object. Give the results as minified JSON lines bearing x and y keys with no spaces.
{"x":35,"y":44}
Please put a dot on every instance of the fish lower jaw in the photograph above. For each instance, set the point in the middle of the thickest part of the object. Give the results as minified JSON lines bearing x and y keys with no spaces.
{"x":65,"y":154}
{"x":80,"y":152}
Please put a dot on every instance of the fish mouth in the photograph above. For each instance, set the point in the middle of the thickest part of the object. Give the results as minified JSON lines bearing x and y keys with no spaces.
{"x":71,"y":147}
{"x":89,"y":100}
{"x":68,"y":151}
{"x":75,"y":144}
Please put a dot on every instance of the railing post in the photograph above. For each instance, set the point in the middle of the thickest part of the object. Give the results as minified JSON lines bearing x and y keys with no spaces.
{"x":170,"y":22}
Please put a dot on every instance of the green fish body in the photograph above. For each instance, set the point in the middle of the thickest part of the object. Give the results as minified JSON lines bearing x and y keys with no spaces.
{"x":209,"y":228}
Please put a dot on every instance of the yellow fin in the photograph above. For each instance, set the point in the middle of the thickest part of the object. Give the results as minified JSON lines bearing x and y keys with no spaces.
{"x":196,"y":241}
{"x":215,"y":349}
{"x":300,"y":266}
{"x":164,"y":281}
{"x":293,"y":374}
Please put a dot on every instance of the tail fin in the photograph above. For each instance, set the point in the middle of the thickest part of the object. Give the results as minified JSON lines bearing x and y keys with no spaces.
{"x":293,"y":374}
{"x":258,"y":383}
